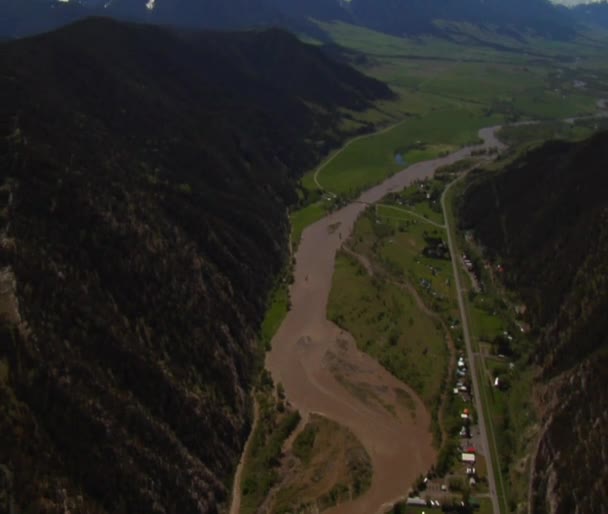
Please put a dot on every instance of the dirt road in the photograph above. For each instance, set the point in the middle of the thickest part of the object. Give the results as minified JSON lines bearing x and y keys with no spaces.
{"x":309,"y":353}
{"x":235,"y":503}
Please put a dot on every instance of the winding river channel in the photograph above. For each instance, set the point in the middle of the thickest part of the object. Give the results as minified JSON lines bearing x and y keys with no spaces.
{"x":321,"y":368}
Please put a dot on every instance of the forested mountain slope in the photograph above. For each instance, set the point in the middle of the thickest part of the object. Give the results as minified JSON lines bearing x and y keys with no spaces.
{"x":145,"y":179}
{"x":23,"y":17}
{"x":546,"y":217}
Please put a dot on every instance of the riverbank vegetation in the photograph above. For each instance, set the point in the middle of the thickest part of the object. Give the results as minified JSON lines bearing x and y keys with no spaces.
{"x":372,"y":159}
{"x":277,"y":308}
{"x":276,"y":421}
{"x":446,"y":90}
{"x":442,"y":103}
{"x":327,"y":465}
{"x":388,"y":324}
{"x":403,"y":242}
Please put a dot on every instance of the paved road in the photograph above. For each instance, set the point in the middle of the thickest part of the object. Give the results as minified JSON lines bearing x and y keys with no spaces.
{"x":486,"y":448}
{"x":409,"y":212}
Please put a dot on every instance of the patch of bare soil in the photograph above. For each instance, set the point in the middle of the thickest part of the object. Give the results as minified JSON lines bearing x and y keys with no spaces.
{"x":326,"y":465}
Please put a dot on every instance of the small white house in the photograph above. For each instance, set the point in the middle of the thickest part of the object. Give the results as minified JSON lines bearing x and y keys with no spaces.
{"x":468,"y":458}
{"x":417,"y":501}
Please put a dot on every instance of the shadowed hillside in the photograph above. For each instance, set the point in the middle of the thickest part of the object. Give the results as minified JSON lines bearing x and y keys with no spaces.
{"x":546,"y":217}
{"x":145,"y":179}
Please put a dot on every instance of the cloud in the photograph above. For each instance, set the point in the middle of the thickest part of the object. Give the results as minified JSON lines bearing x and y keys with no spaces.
{"x":574,"y":2}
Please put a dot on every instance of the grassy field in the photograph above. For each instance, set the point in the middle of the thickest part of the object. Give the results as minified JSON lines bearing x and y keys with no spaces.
{"x":261,"y":468}
{"x":329,"y":466}
{"x":370,"y":160}
{"x":301,"y":218}
{"x":449,"y":88}
{"x":534,"y":134}
{"x":276,"y":312}
{"x":485,"y":323}
{"x":388,"y":324}
{"x":400,"y":240}
{"x":467,"y":70}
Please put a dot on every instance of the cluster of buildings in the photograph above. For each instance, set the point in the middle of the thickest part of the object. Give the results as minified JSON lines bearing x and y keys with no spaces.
{"x":469,"y":459}
{"x":470,"y":267}
{"x":434,"y":492}
{"x":462,"y":388}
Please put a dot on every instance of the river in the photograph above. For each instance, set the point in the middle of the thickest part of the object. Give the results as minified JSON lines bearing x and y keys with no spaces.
{"x":308,"y":349}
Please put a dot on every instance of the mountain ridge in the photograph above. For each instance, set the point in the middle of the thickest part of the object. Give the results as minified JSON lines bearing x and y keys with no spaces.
{"x":144,"y":188}
{"x":553,"y":248}
{"x":401,"y":17}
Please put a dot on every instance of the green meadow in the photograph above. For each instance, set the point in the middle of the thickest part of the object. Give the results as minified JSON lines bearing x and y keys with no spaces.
{"x":301,"y":218}
{"x":388,"y":324}
{"x":398,"y":240}
{"x":275,"y":313}
{"x":370,"y":160}
{"x":449,"y":88}
{"x":446,"y":90}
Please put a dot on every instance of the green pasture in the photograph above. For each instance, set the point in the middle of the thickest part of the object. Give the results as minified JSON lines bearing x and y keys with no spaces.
{"x":368,"y":161}
{"x":399,"y":242}
{"x":387,"y":323}
{"x":275,"y":313}
{"x":301,"y":218}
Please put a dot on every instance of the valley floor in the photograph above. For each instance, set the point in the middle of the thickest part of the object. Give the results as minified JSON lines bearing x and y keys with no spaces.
{"x":323,"y":372}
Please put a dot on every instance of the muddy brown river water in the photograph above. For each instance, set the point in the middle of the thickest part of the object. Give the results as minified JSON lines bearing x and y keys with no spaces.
{"x":309,"y":352}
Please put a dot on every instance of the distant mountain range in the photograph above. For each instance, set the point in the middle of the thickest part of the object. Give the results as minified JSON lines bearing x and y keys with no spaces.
{"x":398,"y":17}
